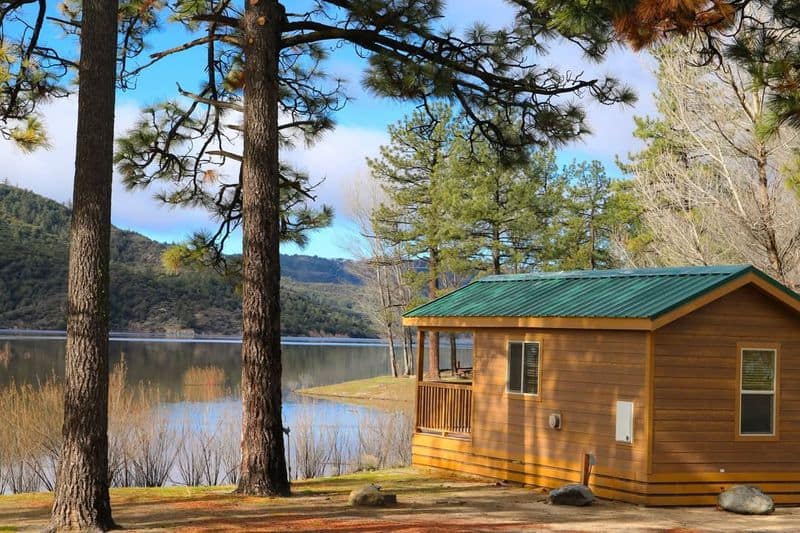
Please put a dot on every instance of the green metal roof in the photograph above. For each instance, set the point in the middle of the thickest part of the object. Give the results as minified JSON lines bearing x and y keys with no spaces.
{"x":624,"y":293}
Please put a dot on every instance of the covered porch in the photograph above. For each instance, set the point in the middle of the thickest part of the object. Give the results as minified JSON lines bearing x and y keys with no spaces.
{"x":444,"y":384}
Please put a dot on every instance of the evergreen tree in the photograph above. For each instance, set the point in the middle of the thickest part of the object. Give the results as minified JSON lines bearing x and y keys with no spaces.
{"x":413,"y":171}
{"x":506,"y":211}
{"x":596,"y":209}
{"x":410,"y":56}
{"x":30,"y":72}
{"x":81,"y":492}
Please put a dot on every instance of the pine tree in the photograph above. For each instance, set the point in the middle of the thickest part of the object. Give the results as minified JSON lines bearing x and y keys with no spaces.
{"x":413,"y":171}
{"x":31,"y":71}
{"x":506,"y":210}
{"x":81,"y":493}
{"x":595,"y":210}
{"x":409,"y":57}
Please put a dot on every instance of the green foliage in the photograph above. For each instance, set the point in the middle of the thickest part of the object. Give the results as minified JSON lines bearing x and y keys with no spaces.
{"x":35,"y":67}
{"x":506,"y":212}
{"x":145,"y":296}
{"x":596,"y":209}
{"x":413,"y":172}
{"x":455,"y":208}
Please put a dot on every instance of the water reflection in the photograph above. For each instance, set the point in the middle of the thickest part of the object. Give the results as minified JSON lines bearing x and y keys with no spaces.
{"x":165,"y":362}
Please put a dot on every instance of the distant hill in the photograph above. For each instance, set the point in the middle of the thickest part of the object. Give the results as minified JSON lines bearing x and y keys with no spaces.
{"x":319,"y":296}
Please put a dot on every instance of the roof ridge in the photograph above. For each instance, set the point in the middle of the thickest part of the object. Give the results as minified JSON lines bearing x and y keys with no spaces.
{"x":623,"y":273}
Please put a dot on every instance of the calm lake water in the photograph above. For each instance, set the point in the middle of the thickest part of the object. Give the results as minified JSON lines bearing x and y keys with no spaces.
{"x":34,"y":358}
{"x":204,"y":405}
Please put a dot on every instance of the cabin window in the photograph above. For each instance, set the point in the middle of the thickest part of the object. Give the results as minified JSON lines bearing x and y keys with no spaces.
{"x":524,"y":366}
{"x":757,"y":391}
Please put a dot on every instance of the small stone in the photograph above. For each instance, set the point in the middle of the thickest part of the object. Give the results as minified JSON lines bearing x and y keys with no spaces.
{"x":746,"y":499}
{"x":371,"y":496}
{"x":573,"y":494}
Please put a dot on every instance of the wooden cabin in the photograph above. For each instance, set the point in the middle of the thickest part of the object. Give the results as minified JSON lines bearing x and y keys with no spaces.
{"x":656,"y":386}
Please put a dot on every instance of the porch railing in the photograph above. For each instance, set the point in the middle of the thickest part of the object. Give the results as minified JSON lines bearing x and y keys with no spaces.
{"x":444,"y":407}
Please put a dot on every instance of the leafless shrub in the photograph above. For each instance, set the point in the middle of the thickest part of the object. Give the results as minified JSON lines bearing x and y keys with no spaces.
{"x":141,"y":439}
{"x":230,"y":446}
{"x":201,"y":453}
{"x":338,"y":456}
{"x":153,"y":452}
{"x":310,"y":446}
{"x":384,"y":440}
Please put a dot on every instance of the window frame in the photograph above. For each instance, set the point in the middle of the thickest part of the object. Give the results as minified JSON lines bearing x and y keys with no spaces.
{"x":758,"y":346}
{"x":519,"y":394}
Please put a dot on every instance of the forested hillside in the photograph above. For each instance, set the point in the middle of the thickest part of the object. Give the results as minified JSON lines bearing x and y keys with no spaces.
{"x":318,"y":295}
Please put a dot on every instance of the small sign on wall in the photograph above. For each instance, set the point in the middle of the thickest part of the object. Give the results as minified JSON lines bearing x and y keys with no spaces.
{"x":625,"y":422}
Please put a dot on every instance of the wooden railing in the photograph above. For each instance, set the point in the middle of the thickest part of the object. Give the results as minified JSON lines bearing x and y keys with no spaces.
{"x":444,"y":407}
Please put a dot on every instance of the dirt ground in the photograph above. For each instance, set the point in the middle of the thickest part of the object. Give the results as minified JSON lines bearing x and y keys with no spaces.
{"x":426,"y":502}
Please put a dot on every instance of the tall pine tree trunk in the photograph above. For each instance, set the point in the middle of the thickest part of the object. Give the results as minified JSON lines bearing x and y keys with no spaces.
{"x":453,"y":354}
{"x":392,"y":351}
{"x":433,"y":336}
{"x":263,"y":468}
{"x":81,"y":492}
{"x":406,"y":352}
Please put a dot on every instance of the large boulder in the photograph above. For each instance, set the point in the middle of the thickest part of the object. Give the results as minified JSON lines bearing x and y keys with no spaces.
{"x":746,"y":499}
{"x":575,"y":494}
{"x":371,"y":496}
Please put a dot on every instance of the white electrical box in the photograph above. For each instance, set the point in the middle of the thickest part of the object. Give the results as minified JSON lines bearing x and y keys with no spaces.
{"x":555,"y":421}
{"x":625,"y":422}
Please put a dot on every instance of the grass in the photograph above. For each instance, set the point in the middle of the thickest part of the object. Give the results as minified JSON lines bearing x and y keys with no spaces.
{"x":200,"y":507}
{"x":383,"y":388}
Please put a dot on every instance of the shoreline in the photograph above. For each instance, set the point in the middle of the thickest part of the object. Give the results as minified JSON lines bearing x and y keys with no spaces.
{"x":132,"y":336}
{"x":383,"y":389}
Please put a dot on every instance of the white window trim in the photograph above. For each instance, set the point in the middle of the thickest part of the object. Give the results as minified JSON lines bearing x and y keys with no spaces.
{"x":522,"y":370}
{"x":773,"y":392}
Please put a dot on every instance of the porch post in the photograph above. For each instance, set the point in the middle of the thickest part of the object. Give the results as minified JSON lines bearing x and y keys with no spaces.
{"x":420,"y":353}
{"x":420,"y":372}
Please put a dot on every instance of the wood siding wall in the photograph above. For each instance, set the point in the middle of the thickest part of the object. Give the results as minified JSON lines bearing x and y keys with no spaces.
{"x":695,"y":443}
{"x":691,"y":375}
{"x":584,"y":373}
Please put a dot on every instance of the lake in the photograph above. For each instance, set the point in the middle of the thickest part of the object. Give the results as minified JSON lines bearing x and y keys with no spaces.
{"x":198,"y":384}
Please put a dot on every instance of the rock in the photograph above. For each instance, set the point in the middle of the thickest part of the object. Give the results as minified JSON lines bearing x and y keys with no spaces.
{"x":371,"y":496}
{"x":574,"y":494}
{"x":746,"y":499}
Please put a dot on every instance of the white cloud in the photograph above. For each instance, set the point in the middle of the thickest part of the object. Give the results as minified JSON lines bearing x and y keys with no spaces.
{"x":50,"y":173}
{"x":338,"y":158}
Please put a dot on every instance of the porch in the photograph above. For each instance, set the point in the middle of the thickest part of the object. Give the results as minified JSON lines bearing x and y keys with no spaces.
{"x":443,"y":395}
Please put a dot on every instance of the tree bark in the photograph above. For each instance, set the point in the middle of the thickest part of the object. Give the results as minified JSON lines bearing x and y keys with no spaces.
{"x":263,"y":468}
{"x":81,"y":493}
{"x":406,"y":351}
{"x":765,"y":205}
{"x":453,"y":354}
{"x":392,"y":351}
{"x":433,"y":290}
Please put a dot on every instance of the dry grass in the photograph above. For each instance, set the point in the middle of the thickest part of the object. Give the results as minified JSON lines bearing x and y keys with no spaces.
{"x":141,"y":443}
{"x":204,"y":384}
{"x":427,"y":501}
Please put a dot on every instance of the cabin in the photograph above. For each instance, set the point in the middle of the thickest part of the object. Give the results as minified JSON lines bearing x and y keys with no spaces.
{"x":654,"y":386}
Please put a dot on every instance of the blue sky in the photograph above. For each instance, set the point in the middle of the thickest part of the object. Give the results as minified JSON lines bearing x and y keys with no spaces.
{"x":339,"y":157}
